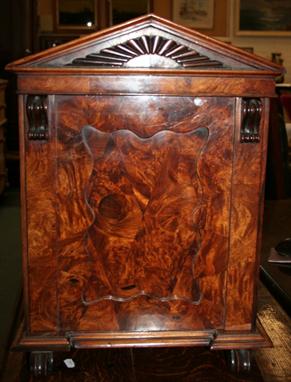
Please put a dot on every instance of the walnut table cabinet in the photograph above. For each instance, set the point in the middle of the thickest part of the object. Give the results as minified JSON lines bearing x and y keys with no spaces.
{"x":143,"y":152}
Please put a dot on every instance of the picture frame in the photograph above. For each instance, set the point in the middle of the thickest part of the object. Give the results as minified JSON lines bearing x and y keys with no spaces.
{"x":78,"y":15}
{"x":123,"y":10}
{"x":198,"y":14}
{"x":263,"y":18}
{"x":47,"y":41}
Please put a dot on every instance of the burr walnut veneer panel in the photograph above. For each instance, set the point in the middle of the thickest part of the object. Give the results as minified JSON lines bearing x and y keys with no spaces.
{"x":129,"y":206}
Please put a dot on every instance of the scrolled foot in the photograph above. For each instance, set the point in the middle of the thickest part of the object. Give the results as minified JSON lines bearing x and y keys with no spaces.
{"x":41,"y":362}
{"x":239,"y":360}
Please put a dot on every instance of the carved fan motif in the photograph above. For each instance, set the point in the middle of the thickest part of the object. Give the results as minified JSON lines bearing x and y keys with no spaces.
{"x":147,"y":51}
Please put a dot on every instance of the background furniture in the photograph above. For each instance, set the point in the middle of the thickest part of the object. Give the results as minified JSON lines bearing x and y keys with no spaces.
{"x":275,"y":267}
{"x":3,"y":120}
{"x":278,"y":180}
{"x":143,"y":151}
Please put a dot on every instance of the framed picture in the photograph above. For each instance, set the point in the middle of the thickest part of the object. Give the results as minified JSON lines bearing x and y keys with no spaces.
{"x":196,"y":14}
{"x":76,"y":14}
{"x":50,"y":41}
{"x":123,"y":10}
{"x":261,"y":17}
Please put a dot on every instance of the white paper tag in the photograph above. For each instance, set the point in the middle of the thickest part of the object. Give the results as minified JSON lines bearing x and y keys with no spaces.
{"x":69,"y":363}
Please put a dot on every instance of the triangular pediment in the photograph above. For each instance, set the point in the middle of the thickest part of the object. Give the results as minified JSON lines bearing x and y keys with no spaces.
{"x":148,"y":42}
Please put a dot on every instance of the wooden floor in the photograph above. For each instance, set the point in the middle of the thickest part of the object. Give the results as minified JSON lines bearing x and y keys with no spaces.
{"x":170,"y":365}
{"x":274,"y":363}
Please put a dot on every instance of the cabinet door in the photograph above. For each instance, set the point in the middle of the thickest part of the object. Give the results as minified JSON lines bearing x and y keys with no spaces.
{"x":135,"y":221}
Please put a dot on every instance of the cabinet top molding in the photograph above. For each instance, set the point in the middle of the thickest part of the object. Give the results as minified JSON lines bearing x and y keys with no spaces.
{"x":146,"y":44}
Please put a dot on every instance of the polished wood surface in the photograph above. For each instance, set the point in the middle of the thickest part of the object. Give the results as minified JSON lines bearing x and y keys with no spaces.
{"x":234,"y":60}
{"x":183,"y":364}
{"x":142,"y":190}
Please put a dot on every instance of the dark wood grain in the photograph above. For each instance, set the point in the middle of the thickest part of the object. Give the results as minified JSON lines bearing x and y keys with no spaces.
{"x":147,"y":220}
{"x":233,"y":59}
{"x":187,"y":365}
{"x":132,"y":82}
{"x":169,"y":364}
{"x":41,"y":262}
{"x":275,"y":363}
{"x":148,"y":211}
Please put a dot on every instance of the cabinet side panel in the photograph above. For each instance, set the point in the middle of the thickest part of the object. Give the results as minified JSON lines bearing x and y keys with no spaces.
{"x":247,"y":192}
{"x":41,"y":232}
